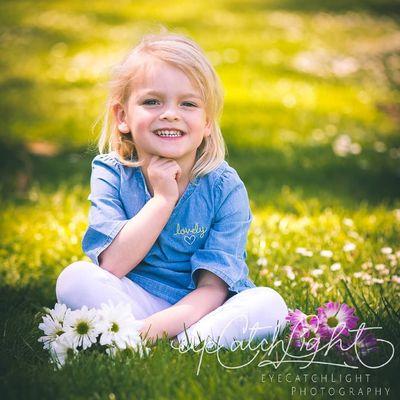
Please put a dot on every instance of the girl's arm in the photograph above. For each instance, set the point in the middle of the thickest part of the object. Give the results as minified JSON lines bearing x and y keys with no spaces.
{"x":139,"y":234}
{"x":137,"y":237}
{"x":211,"y":292}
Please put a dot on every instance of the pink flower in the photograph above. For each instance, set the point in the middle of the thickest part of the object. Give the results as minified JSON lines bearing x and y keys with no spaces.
{"x":304,"y":329}
{"x":336,"y":318}
{"x":359,"y":345}
{"x":365,"y":343}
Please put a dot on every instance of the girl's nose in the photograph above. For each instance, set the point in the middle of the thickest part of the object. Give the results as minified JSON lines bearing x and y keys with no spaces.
{"x":170,"y":114}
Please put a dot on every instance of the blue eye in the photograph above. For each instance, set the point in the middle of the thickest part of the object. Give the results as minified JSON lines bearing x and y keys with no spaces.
{"x":186,"y":103}
{"x":150,"y":102}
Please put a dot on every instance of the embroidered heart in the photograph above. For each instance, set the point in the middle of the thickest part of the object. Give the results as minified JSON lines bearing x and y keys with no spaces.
{"x":189,"y":239}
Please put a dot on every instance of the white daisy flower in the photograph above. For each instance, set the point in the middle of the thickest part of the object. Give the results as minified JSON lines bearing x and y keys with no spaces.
{"x":52,"y":325}
{"x":349,"y":247}
{"x":348,"y":222}
{"x":135,"y":342}
{"x":304,"y":252}
{"x":386,"y":250}
{"x":326,"y":253}
{"x":300,"y":250}
{"x":58,"y":312}
{"x":317,"y":272}
{"x":289,"y":272}
{"x":335,"y":267}
{"x":396,"y":279}
{"x":81,"y":327}
{"x":117,"y":324}
{"x":61,"y":349}
{"x":262,"y":262}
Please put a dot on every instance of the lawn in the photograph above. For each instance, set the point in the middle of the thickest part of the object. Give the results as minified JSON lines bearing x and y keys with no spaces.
{"x":311,"y":122}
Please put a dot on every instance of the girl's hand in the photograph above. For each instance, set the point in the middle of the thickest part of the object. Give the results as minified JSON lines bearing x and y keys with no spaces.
{"x":163,"y":175}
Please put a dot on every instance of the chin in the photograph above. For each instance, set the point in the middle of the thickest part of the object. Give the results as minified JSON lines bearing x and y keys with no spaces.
{"x":173,"y":156}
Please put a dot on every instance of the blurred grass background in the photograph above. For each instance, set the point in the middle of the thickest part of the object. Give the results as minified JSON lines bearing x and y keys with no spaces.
{"x":311,"y":121}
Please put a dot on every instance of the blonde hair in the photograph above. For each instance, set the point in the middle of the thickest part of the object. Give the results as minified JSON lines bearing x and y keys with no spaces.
{"x":185,"y":54}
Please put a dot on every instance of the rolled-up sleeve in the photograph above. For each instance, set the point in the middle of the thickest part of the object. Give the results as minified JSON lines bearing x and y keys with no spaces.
{"x":106,"y":215}
{"x":224,"y":252}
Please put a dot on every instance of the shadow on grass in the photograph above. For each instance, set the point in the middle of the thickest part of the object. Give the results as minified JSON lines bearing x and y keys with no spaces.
{"x":314,"y":172}
{"x":310,"y":172}
{"x":384,"y":7}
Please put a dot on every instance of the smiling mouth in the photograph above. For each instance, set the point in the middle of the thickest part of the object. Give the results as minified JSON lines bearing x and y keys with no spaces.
{"x":169,"y":133}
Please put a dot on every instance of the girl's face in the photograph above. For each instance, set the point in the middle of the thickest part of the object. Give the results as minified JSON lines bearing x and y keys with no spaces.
{"x":164,"y":102}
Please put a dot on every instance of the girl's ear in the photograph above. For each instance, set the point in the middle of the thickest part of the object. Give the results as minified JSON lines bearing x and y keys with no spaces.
{"x":207,"y":129}
{"x":120,"y":117}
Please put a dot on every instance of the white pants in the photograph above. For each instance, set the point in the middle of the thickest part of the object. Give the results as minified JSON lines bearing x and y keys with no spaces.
{"x":261,"y":308}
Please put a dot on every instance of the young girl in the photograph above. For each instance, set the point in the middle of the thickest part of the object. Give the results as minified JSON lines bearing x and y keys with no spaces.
{"x":169,"y":217}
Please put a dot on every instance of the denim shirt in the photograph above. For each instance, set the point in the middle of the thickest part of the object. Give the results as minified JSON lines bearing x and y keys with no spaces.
{"x":206,"y":230}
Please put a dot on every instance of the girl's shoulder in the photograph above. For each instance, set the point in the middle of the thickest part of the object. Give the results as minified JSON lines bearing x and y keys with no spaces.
{"x":225,"y":177}
{"x":110,"y":160}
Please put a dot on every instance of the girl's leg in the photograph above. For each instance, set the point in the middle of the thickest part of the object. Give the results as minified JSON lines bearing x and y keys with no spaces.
{"x":84,"y":283}
{"x":260,"y":308}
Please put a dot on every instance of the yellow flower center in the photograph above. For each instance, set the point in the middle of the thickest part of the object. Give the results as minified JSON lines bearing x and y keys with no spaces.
{"x":332,"y":322}
{"x":82,"y":328}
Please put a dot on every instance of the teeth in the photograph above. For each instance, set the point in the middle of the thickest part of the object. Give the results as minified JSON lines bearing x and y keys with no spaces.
{"x":169,"y":133}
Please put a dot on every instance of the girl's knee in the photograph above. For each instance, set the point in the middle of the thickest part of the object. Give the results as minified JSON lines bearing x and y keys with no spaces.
{"x":270,"y":303}
{"x":72,"y":278}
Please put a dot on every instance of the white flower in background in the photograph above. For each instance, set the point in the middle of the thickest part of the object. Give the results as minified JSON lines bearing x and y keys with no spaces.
{"x":380,"y":267}
{"x":335,"y":267}
{"x":326,"y":253}
{"x":396,"y":279}
{"x":317,"y":272}
{"x":386,"y":250}
{"x":262,"y":262}
{"x":355,"y":148}
{"x":117,"y":324}
{"x":315,"y":287}
{"x":345,"y":66}
{"x":366,"y":265}
{"x":349,"y":247}
{"x":289,"y":272}
{"x":277,"y":283}
{"x":348,"y":222}
{"x":52,"y":325}
{"x":81,"y":327}
{"x":343,"y":145}
{"x":304,"y":252}
{"x":380,"y":147}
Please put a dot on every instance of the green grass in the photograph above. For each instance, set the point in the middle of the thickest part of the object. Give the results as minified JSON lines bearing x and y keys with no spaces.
{"x":297,"y":78}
